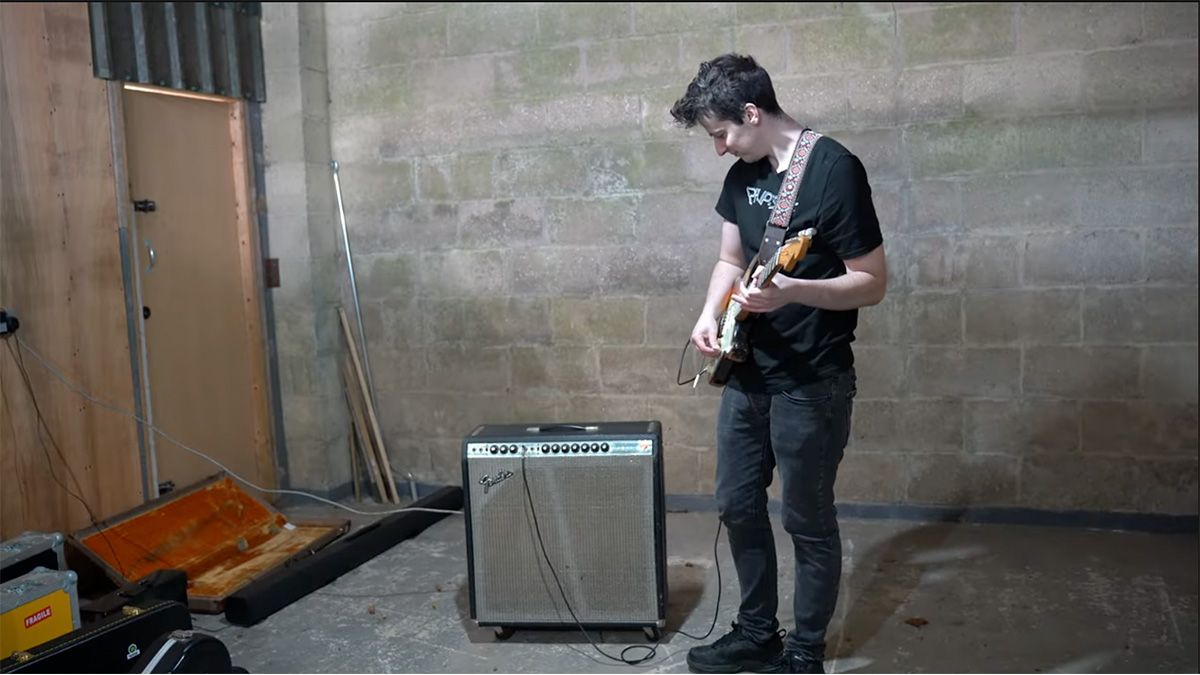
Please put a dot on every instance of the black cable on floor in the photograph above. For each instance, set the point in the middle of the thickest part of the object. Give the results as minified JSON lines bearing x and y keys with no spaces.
{"x":622,"y":658}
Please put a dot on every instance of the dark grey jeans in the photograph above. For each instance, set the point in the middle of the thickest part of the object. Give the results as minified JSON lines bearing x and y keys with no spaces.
{"x":804,"y":433}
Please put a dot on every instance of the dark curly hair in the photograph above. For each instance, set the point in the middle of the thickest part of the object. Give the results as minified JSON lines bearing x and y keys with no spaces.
{"x":722,"y":89}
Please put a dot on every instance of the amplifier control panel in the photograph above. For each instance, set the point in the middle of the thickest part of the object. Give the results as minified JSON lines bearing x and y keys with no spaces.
{"x":583,"y":448}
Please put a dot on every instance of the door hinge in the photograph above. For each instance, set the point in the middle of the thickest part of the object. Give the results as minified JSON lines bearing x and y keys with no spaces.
{"x":271,"y":272}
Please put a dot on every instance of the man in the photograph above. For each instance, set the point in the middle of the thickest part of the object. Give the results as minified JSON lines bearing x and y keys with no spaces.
{"x":789,"y":404}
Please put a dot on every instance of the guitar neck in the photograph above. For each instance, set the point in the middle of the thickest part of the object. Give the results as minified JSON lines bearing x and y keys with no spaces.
{"x":768,"y":271}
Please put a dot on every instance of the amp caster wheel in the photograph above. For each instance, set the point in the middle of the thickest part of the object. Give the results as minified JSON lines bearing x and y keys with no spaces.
{"x":503,"y":632}
{"x":652,"y":633}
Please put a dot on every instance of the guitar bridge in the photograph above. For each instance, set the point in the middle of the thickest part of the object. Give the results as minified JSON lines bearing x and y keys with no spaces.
{"x":739,"y":348}
{"x":737,"y":355}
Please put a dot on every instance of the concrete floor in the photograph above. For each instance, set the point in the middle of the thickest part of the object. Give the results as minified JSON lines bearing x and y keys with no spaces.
{"x":996,"y":598}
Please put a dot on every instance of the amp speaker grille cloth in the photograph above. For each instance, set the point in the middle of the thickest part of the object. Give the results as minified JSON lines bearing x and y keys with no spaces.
{"x":596,"y":519}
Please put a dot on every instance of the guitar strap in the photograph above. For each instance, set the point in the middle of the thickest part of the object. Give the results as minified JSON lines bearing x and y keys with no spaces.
{"x":781,"y":215}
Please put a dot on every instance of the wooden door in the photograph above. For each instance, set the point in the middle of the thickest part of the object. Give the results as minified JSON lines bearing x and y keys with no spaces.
{"x":205,"y":354}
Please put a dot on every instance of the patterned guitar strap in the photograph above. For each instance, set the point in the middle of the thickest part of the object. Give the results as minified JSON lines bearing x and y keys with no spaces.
{"x":781,"y":215}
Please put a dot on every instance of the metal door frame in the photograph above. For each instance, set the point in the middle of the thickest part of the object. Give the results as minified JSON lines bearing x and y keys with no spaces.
{"x":127,"y":232}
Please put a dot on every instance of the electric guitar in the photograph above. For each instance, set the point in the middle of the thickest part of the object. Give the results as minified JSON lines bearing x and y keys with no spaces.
{"x":732,"y":334}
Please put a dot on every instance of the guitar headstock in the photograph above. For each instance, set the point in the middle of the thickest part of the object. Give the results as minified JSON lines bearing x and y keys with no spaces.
{"x":794,"y":249}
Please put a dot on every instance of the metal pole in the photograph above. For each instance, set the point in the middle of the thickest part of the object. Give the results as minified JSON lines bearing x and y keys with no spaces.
{"x":362,"y":335}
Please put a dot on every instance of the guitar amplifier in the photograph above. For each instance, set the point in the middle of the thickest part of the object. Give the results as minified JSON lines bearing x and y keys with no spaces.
{"x":591,"y":497}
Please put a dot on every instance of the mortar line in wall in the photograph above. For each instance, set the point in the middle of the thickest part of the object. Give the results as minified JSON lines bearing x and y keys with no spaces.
{"x":962,"y":316}
{"x":1143,"y":271}
{"x":1079,"y":425}
{"x":1142,"y":355}
{"x":1016,"y":33}
{"x":914,"y":67}
{"x":1038,"y":171}
{"x":1021,"y":370}
{"x":585,"y":68}
{"x":678,"y":46}
{"x":1142,"y":21}
{"x":1017,"y":479}
{"x":1159,"y":42}
{"x":1082,"y":292}
{"x":962,"y":425}
{"x":1145,"y":133}
{"x":1145,"y":264}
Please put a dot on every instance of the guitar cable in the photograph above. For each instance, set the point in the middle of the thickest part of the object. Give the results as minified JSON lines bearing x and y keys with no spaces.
{"x":695,"y":378}
{"x":651,"y":651}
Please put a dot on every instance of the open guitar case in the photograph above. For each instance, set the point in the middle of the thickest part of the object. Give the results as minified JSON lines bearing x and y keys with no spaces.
{"x":208,"y":549}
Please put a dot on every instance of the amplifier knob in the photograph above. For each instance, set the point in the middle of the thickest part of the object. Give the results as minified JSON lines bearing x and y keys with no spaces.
{"x":545,"y":448}
{"x":494,"y":449}
{"x":554,"y":448}
{"x":604,"y":447}
{"x":574,"y":447}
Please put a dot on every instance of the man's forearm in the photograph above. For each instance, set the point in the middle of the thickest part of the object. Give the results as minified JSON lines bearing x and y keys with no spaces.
{"x":724,"y":275}
{"x":849,"y":291}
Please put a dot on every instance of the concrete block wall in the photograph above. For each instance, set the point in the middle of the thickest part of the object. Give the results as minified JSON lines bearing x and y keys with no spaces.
{"x":534,"y":237}
{"x":304,"y":234}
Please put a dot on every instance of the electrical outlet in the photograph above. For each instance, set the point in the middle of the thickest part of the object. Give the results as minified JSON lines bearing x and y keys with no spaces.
{"x":8,"y":323}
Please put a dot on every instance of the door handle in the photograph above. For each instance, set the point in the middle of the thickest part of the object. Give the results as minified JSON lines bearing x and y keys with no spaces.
{"x":152,"y":255}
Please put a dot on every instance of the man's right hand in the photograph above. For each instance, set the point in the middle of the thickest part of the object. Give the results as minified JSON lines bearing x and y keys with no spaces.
{"x":704,"y":336}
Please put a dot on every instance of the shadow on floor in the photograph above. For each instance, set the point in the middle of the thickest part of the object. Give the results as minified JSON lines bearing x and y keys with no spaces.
{"x":883,"y":579}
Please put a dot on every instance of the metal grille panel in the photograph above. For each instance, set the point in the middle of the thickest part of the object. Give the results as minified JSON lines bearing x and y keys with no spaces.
{"x":596,"y":517}
{"x":212,"y":47}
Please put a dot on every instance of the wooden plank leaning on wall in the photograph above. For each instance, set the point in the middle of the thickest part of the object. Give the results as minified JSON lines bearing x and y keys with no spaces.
{"x":60,"y":271}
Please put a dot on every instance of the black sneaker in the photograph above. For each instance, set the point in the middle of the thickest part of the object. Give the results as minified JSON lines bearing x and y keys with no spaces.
{"x":735,"y":652}
{"x":800,"y":663}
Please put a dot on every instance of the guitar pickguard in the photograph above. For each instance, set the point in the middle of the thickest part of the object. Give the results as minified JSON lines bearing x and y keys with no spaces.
{"x":732,"y":337}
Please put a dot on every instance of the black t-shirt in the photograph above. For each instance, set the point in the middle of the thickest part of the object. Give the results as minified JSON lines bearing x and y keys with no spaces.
{"x":797,"y":344}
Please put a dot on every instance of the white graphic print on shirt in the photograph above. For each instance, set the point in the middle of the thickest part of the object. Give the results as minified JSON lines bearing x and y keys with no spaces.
{"x":759,"y":196}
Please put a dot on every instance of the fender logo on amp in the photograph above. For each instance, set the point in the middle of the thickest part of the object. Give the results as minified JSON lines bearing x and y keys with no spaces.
{"x":38,"y":616}
{"x":488,"y":482}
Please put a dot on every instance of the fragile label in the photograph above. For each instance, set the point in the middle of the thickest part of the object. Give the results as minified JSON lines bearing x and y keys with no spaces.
{"x":38,"y":616}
